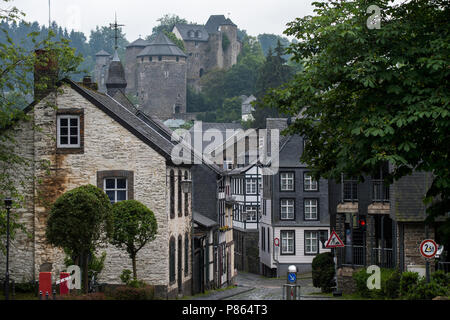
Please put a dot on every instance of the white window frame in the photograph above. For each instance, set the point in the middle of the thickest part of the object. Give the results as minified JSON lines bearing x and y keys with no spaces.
{"x":58,"y":132}
{"x":287,"y":178}
{"x":311,"y":239}
{"x":252,"y":210}
{"x":286,"y":204}
{"x":250,"y":185}
{"x":309,"y":182}
{"x":287,"y":238}
{"x":115,"y":188}
{"x":308,"y":209}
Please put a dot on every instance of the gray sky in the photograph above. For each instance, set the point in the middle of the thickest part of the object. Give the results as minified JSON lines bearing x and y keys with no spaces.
{"x":139,"y":16}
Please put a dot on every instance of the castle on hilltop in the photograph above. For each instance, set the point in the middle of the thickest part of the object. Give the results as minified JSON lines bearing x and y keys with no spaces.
{"x":158,"y":72}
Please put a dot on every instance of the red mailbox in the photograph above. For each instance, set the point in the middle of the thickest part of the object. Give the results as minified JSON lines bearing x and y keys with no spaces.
{"x":45,"y":283}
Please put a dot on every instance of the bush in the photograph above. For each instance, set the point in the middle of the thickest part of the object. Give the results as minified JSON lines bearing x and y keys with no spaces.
{"x":125,"y":277}
{"x":389,"y":283}
{"x":129,"y":293}
{"x":25,"y":287}
{"x":408,"y":281}
{"x":426,"y":291}
{"x":360,"y":278}
{"x":323,"y":271}
{"x":441,"y":278}
{"x":392,"y":285}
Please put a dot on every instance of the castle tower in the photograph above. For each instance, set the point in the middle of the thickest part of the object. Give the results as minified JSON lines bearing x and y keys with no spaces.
{"x":161,"y":79}
{"x":132,"y":51}
{"x":102,"y":61}
{"x":116,"y":77}
{"x":230,"y":53}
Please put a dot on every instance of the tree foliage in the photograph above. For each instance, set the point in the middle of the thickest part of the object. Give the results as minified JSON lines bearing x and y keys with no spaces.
{"x":134,"y":226}
{"x":17,"y":61}
{"x":79,"y":221}
{"x":367,"y":96}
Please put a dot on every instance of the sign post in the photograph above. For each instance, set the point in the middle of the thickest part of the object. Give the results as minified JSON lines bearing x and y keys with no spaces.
{"x":335,"y":242}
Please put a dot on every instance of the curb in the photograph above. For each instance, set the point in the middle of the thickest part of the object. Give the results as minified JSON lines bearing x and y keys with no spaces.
{"x":238,"y":293}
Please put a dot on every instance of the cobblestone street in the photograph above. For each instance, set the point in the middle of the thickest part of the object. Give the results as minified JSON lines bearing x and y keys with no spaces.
{"x":251,"y":286}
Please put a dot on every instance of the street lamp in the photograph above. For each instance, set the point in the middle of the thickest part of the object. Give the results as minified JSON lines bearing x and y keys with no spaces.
{"x":186,"y":186}
{"x":8,"y":205}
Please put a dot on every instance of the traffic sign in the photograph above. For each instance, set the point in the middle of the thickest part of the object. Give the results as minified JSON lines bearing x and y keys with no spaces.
{"x":276,"y":242}
{"x":292,"y":277}
{"x":334,"y":241}
{"x":428,"y":248}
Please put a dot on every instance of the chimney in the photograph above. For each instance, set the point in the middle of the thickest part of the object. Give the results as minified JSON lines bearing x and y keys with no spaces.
{"x":87,"y":82}
{"x":45,"y":73}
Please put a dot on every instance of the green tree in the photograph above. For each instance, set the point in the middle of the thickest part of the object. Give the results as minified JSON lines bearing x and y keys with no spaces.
{"x":167,"y":22}
{"x":79,"y":220}
{"x":17,"y":61}
{"x":134,"y":226}
{"x":373,"y":95}
{"x":103,"y":38}
{"x":273,"y":74}
{"x":270,"y":41}
{"x":230,"y":111}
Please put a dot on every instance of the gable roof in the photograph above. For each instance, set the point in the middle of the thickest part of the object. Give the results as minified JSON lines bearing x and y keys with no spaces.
{"x":199,"y":32}
{"x":103,"y":53}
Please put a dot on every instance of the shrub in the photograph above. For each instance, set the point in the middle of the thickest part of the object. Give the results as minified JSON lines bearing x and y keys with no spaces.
{"x":426,"y":291}
{"x":130,"y":293}
{"x":392,"y":285}
{"x":89,"y":296}
{"x":360,"y":278}
{"x":408,"y":281}
{"x":441,"y":278}
{"x":323,"y":272}
{"x":25,"y":287}
{"x":125,"y":277}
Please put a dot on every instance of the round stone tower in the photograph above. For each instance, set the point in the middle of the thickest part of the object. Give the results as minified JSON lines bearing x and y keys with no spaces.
{"x":161,"y":79}
{"x":132,"y":51}
{"x":231,"y":52}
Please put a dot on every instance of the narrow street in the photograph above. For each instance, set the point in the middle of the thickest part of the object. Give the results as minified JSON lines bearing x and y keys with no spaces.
{"x":251,"y":286}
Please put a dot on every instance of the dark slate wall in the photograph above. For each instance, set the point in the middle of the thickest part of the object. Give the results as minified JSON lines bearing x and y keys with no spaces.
{"x":205,"y":191}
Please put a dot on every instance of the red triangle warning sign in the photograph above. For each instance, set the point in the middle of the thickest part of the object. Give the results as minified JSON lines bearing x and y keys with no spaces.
{"x":334,"y":241}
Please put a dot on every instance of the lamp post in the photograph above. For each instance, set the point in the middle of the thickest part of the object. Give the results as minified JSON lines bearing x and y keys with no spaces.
{"x":8,"y":205}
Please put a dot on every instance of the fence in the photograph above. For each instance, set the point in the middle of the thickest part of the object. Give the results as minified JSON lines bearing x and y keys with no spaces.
{"x":382,"y":257}
{"x":351,"y":257}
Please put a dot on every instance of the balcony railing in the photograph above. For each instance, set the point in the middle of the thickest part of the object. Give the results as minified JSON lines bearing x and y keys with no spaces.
{"x":383,"y":257}
{"x":351,"y":256}
{"x":380,"y":192}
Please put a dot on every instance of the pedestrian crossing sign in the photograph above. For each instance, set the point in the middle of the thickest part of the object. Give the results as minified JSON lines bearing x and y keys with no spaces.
{"x":334,"y":241}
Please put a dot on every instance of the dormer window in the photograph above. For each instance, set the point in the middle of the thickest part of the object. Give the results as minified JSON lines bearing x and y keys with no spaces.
{"x":198,"y":34}
{"x":191,"y":34}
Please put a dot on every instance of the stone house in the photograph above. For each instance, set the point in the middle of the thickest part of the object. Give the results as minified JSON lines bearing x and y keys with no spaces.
{"x":87,"y":137}
{"x":380,"y":224}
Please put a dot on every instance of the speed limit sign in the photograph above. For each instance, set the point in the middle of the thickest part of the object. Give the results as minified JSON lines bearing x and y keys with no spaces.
{"x":276,"y":242}
{"x":428,"y":248}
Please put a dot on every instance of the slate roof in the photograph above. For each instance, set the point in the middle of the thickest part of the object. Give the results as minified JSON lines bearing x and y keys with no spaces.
{"x":116,"y":74}
{"x":186,"y":29}
{"x":202,"y":220}
{"x":162,"y":46}
{"x":138,"y":43}
{"x":215,"y":21}
{"x":102,"y":53}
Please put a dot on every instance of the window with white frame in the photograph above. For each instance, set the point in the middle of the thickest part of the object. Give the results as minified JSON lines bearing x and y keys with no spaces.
{"x":311,"y":242}
{"x":250,"y":213}
{"x":309,"y":183}
{"x":250,"y":186}
{"x":116,"y":189}
{"x":68,"y":131}
{"x":287,"y":181}
{"x":287,"y":242}
{"x":311,"y":207}
{"x":287,"y":209}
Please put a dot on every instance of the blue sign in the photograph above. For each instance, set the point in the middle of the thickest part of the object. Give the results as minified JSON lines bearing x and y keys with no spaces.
{"x":292,"y":277}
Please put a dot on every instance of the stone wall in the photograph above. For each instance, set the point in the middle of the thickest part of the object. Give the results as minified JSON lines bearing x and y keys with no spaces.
{"x":414,"y":234}
{"x":346,"y":283}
